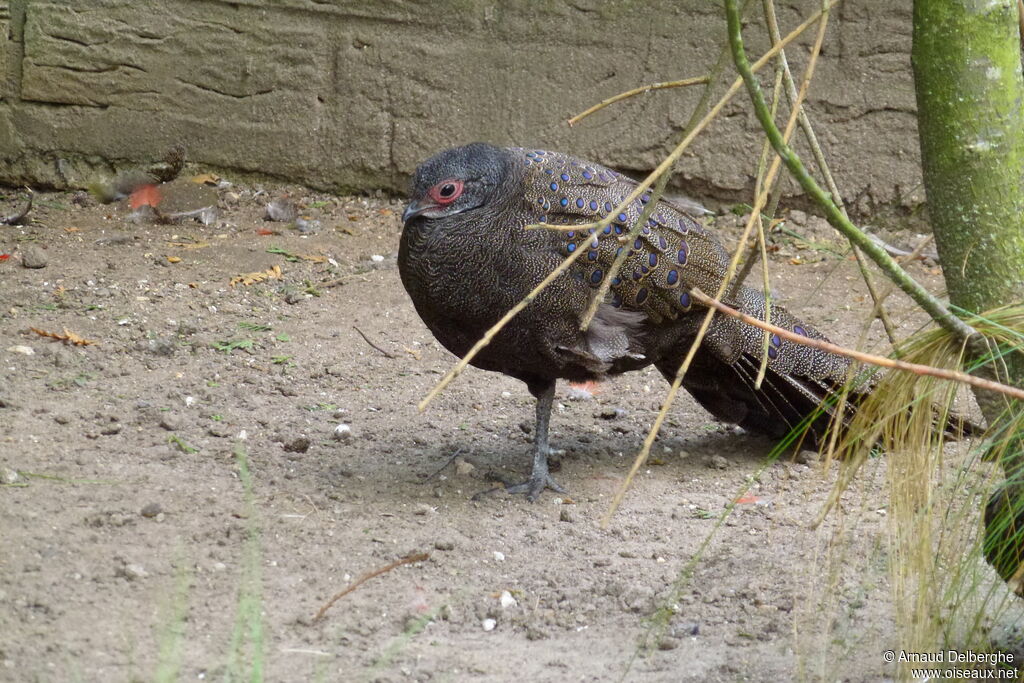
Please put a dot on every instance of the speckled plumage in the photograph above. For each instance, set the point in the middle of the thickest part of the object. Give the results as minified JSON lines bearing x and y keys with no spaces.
{"x":466,"y":259}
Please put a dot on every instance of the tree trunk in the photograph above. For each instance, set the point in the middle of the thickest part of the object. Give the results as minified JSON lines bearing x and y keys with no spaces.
{"x":967,"y":69}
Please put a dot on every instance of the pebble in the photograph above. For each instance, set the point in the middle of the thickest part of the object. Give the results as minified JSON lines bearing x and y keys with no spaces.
{"x":343,"y":432}
{"x":566,"y":515}
{"x":717,"y":462}
{"x":170,"y":422}
{"x":10,"y":476}
{"x":219,"y":566}
{"x":133,"y":572}
{"x":298,"y":445}
{"x":151,"y":510}
{"x":444,"y":545}
{"x":24,"y":350}
{"x":507,"y":600}
{"x":499,"y":556}
{"x":489,"y":624}
{"x":377,"y":258}
{"x":34,"y":257}
{"x":463,"y":467}
{"x":612,"y":413}
{"x":798,"y":217}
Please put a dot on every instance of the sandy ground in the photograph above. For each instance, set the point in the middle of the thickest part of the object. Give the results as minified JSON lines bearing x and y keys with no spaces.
{"x":178,"y":501}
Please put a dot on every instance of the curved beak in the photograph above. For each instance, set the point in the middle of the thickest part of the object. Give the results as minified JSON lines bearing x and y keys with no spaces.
{"x":416,"y":208}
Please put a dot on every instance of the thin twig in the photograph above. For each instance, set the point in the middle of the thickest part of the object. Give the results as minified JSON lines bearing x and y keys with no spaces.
{"x":755,"y":215}
{"x":408,"y":559}
{"x":638,"y":91}
{"x":880,"y":361}
{"x":458,"y":451}
{"x":919,"y":294}
{"x":372,"y":345}
{"x":663,"y":167}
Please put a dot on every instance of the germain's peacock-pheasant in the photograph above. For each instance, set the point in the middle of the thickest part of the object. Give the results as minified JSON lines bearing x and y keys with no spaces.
{"x":466,"y":259}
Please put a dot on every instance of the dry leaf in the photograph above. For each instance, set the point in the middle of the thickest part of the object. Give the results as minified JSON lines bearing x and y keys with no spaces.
{"x":72,"y":230}
{"x":174,"y":259}
{"x":68,"y":337}
{"x":206,"y":178}
{"x":252,"y":278}
{"x":415,"y":353}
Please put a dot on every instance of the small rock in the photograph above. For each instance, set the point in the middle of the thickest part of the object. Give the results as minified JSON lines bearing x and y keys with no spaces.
{"x":612,"y":413}
{"x":294,"y":297}
{"x":298,"y":445}
{"x":507,"y":600}
{"x":132,"y":572}
{"x":798,"y":217}
{"x":9,"y":476}
{"x":219,"y":566}
{"x":566,"y":515}
{"x":668,"y":643}
{"x":23,"y":350}
{"x":170,"y":422}
{"x":716,"y":462}
{"x":33,"y":257}
{"x":422,"y":509}
{"x":463,"y":468}
{"x":151,"y":510}
{"x":489,"y":624}
{"x":342,"y":432}
{"x":377,"y":258}
{"x":499,"y":556}
{"x":808,"y":457}
{"x":61,"y":419}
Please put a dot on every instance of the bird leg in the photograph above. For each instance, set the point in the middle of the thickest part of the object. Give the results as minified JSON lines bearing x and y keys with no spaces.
{"x":540,"y":478}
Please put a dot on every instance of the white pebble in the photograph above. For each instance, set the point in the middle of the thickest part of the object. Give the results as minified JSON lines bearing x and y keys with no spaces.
{"x":219,"y":566}
{"x":489,"y":624}
{"x":26,"y":350}
{"x":190,"y":401}
{"x":499,"y":556}
{"x":506,"y":394}
{"x":342,"y":432}
{"x":242,"y":436}
{"x":507,"y":600}
{"x":376,"y":258}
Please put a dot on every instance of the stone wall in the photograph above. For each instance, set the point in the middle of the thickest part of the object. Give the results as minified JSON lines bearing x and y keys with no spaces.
{"x":351,"y":94}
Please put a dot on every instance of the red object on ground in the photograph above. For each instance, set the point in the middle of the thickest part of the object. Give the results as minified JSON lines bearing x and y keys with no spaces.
{"x":147,"y":195}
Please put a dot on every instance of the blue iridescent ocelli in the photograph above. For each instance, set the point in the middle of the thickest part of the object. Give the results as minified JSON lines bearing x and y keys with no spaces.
{"x":592,"y":255}
{"x":579,"y":203}
{"x":653,"y":260}
{"x":672,"y":277}
{"x":616,"y":300}
{"x":684,"y":299}
{"x":553,"y":186}
{"x":776,"y":341}
{"x":571,"y":247}
{"x":587,"y":175}
{"x":565,"y":177}
{"x":641,"y":295}
{"x":683,"y":254}
{"x":593,"y":205}
{"x":607,"y":229}
{"x":564,"y":201}
{"x":773,"y":353}
{"x":622,"y":217}
{"x":799,"y":330}
{"x":595,"y":277}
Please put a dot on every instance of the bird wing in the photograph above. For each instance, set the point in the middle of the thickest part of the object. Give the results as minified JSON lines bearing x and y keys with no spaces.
{"x":672,"y":253}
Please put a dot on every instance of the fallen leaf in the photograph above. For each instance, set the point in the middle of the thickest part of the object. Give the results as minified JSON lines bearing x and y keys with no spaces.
{"x":72,"y":230}
{"x":147,"y":195}
{"x":206,"y":178}
{"x":795,"y":261}
{"x":415,"y":353}
{"x":747,"y":500}
{"x":265,"y":231}
{"x":174,"y":259}
{"x":252,"y":278}
{"x":4,"y":257}
{"x":68,"y":337}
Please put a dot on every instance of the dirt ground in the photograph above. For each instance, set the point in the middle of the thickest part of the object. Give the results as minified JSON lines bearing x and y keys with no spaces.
{"x":179,"y":498}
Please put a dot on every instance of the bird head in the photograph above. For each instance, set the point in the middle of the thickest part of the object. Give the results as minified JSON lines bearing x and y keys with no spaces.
{"x":456,"y":180}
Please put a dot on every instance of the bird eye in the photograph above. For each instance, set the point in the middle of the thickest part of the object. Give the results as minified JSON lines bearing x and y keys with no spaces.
{"x":446,"y":191}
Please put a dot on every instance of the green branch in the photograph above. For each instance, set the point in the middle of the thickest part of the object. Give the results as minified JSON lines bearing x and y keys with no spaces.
{"x":914,"y":290}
